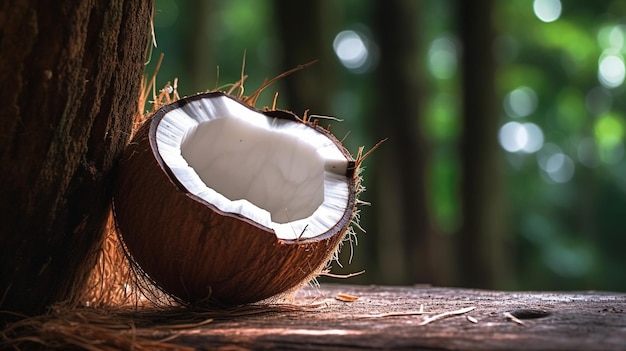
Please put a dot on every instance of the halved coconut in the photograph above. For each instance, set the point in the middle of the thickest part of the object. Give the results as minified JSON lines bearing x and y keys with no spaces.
{"x":217,"y":200}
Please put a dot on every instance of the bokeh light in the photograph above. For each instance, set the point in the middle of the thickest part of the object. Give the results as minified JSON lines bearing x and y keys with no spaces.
{"x":547,"y":10}
{"x":442,"y":57}
{"x":545,"y":153}
{"x":616,"y":37}
{"x":611,"y":70}
{"x":611,"y":37}
{"x":520,"y":102}
{"x":609,"y":132}
{"x":521,"y":137}
{"x":351,"y":49}
{"x":557,"y":167}
{"x":535,"y":138}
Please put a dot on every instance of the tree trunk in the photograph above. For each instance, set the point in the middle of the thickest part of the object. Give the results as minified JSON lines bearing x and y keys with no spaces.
{"x":306,"y":29}
{"x":70,"y":77}
{"x":400,"y":164}
{"x":481,"y":241}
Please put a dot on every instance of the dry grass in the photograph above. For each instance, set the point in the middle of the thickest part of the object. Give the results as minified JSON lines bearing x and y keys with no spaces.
{"x":122,"y":328}
{"x":116,"y":281}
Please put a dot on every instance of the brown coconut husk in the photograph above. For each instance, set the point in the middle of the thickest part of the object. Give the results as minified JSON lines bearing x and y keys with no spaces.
{"x":120,"y":307}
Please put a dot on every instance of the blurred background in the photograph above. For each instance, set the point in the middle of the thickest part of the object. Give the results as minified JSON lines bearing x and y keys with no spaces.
{"x":504,"y":166}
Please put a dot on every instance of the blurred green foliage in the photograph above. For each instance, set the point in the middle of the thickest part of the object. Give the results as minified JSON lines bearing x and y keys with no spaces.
{"x":566,"y":196}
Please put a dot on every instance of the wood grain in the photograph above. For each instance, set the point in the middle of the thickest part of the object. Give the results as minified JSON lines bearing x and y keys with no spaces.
{"x":380,"y":319}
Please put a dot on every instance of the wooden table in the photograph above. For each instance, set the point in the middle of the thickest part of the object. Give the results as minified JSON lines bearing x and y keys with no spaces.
{"x":385,"y":317}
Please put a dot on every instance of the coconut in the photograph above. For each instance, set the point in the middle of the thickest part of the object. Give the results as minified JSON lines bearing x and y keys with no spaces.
{"x":218,"y":201}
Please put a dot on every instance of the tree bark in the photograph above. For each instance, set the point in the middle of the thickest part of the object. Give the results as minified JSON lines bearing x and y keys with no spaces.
{"x":482,"y":238}
{"x":70,"y":76}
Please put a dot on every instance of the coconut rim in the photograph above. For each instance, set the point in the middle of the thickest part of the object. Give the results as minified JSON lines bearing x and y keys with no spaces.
{"x":350,"y":171}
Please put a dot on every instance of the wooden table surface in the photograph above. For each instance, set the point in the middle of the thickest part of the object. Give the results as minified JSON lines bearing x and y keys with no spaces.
{"x":385,"y":317}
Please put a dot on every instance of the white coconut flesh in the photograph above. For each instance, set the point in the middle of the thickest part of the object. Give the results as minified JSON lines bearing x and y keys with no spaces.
{"x":281,"y":174}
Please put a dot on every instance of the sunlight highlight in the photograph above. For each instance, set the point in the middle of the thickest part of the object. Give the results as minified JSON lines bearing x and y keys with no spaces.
{"x":521,"y":137}
{"x":520,"y":102}
{"x":560,"y":168}
{"x":611,"y":69}
{"x":557,"y":167}
{"x":547,"y":10}
{"x":351,"y":49}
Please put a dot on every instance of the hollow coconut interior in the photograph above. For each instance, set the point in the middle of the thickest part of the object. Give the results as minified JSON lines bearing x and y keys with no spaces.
{"x":279,"y":173}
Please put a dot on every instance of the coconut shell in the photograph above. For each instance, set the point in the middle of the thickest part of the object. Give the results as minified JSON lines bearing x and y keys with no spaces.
{"x":195,"y":252}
